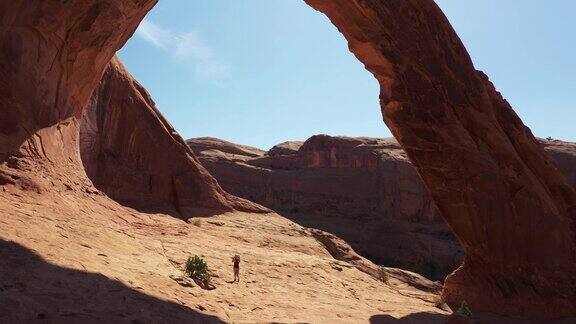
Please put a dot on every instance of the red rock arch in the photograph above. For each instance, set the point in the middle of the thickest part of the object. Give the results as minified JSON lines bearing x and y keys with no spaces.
{"x":505,"y":200}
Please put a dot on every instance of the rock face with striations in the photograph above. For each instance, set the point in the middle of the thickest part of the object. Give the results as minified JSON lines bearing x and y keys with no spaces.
{"x":53,"y":57}
{"x":134,"y":155}
{"x":512,"y":210}
{"x":362,"y":189}
{"x":502,"y":196}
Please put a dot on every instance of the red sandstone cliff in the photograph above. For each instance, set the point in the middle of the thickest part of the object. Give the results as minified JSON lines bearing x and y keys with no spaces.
{"x":564,"y":154}
{"x":53,"y":55}
{"x":503,"y":197}
{"x":362,"y":189}
{"x":136,"y":157}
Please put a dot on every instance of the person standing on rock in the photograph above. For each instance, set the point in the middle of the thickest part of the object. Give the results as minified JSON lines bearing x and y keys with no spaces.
{"x":236,"y":262}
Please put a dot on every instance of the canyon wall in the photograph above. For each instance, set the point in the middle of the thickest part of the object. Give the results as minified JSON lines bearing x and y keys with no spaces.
{"x":505,"y":200}
{"x":53,"y":55}
{"x":133,"y":154}
{"x":364,"y":190}
{"x":564,"y":154}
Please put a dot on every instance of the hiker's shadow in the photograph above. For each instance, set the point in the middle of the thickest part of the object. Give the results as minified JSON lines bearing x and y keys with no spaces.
{"x":33,"y":289}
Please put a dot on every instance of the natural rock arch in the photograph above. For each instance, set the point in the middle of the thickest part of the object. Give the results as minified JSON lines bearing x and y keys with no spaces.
{"x":505,"y":200}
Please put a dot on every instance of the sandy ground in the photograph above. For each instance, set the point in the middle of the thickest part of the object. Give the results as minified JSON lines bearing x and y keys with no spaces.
{"x":75,"y":257}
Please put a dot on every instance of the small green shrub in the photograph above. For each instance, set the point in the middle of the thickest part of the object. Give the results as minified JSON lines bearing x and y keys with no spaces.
{"x":383,"y":275}
{"x":464,"y":310}
{"x":196,"y":222}
{"x":340,"y":257}
{"x":197,"y":269}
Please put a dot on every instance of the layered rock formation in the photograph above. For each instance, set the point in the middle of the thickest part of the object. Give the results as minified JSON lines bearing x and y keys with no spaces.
{"x":365,"y":190}
{"x":503,"y":197}
{"x":362,"y":189}
{"x":564,"y":154}
{"x":136,"y":157}
{"x":53,"y":55}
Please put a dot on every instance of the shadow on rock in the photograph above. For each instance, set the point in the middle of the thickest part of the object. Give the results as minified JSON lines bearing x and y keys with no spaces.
{"x":32,"y":289}
{"x":417,"y":318}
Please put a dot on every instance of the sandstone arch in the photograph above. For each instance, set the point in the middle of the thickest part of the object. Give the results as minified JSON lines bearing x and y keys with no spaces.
{"x":505,"y":200}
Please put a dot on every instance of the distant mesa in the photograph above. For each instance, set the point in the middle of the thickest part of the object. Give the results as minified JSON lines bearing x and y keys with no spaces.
{"x":362,"y":189}
{"x":285,"y":148}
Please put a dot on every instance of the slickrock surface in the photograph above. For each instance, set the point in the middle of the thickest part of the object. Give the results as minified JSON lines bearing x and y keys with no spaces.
{"x":513,"y":211}
{"x":70,"y":257}
{"x":135,"y":156}
{"x":211,"y":143}
{"x":285,"y":148}
{"x":362,"y":189}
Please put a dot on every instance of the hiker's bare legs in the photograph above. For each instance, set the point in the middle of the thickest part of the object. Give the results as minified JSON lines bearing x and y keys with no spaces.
{"x":236,"y":275}
{"x":236,"y":266}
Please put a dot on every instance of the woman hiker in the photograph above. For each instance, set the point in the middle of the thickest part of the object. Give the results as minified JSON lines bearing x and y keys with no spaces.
{"x":236,"y":261}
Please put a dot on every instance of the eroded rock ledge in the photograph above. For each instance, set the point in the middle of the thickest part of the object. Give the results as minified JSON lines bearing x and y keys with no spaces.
{"x":53,"y":55}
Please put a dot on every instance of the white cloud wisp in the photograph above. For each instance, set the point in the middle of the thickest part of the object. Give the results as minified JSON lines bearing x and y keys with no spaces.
{"x":187,"y":48}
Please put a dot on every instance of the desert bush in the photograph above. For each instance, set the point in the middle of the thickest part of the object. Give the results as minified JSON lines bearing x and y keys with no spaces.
{"x":464,"y":310}
{"x":196,"y":222}
{"x":383,"y":275}
{"x":340,"y":257}
{"x":197,"y":269}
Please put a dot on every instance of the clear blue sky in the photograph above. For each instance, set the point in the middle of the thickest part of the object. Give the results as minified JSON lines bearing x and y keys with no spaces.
{"x":262,"y":72}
